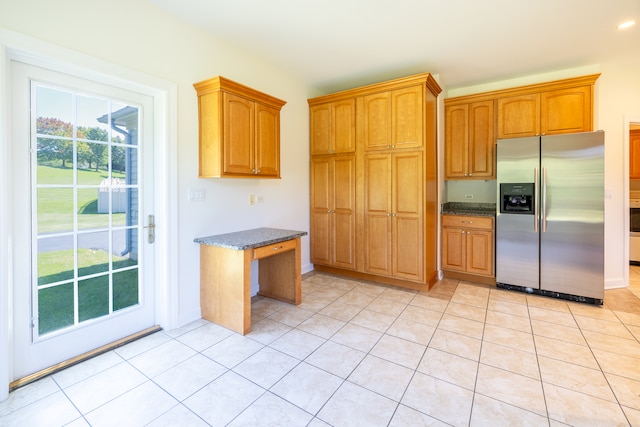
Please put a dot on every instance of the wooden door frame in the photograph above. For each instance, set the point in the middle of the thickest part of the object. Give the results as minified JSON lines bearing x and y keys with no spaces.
{"x":17,"y":47}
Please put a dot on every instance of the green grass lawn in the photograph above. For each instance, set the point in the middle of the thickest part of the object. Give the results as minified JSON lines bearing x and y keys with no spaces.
{"x":55,"y":205}
{"x":55,"y":213}
{"x":56,"y":304}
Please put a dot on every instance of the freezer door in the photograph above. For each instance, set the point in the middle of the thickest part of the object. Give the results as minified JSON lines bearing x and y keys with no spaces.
{"x":572,"y":214}
{"x":517,"y":240}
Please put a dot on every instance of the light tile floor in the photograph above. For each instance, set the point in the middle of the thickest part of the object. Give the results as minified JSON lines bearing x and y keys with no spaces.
{"x":359,"y":354}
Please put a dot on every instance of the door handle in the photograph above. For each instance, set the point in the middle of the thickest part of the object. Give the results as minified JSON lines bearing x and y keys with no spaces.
{"x":536,"y":192}
{"x":544,"y":200}
{"x":151,"y":229}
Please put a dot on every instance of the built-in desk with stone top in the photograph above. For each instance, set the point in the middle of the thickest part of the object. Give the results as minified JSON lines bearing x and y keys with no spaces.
{"x":225,"y":273}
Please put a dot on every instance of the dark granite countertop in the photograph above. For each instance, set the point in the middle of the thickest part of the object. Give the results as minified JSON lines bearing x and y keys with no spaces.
{"x":249,"y":239}
{"x":462,"y":208}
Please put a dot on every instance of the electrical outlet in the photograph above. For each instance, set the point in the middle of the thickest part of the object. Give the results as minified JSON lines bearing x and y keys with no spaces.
{"x":197,"y":194}
{"x":260,"y":199}
{"x":468,"y":196}
{"x":252,"y":199}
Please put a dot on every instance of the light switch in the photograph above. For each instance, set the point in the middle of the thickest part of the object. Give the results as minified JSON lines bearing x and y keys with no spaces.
{"x":197,"y":194}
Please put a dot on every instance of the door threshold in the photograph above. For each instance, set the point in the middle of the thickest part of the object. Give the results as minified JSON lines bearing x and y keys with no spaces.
{"x":81,"y":358}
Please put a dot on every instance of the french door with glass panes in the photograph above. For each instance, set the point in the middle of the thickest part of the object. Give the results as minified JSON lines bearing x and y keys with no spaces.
{"x":83,"y":259}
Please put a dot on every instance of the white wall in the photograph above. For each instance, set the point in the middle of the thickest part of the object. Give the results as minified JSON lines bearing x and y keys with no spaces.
{"x":481,"y":191}
{"x":617,"y":95}
{"x":138,"y":36}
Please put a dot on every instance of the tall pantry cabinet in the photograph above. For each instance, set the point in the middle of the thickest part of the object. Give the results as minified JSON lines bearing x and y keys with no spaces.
{"x":374,"y":205}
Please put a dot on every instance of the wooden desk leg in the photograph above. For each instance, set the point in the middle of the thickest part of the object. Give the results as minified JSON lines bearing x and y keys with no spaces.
{"x":225,"y":287}
{"x":279,"y":276}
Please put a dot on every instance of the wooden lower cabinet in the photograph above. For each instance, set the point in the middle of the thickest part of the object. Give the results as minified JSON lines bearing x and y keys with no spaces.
{"x":468,"y":245}
{"x":333,"y":208}
{"x":393,"y":215}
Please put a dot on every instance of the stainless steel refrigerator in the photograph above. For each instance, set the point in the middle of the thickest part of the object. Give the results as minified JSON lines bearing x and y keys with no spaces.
{"x":550,"y":215}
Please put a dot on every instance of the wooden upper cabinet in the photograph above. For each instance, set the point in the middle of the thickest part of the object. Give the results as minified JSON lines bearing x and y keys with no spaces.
{"x":267,"y":139}
{"x":239,"y":130}
{"x":333,"y":127}
{"x":320,"y":128}
{"x":481,"y":140}
{"x":519,"y":116}
{"x":376,"y":121}
{"x":563,"y":106}
{"x":393,"y":119}
{"x":469,"y":141}
{"x":239,"y":136}
{"x":634,"y":154}
{"x":566,"y":111}
{"x":407,"y":117}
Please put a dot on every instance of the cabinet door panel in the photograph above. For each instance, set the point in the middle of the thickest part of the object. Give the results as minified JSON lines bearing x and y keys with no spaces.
{"x":453,"y":249}
{"x":320,"y":125}
{"x":519,"y":116}
{"x":267,"y":137}
{"x":344,"y":240}
{"x":481,"y":140}
{"x":378,"y":183}
{"x":344,"y":207}
{"x":377,"y":121}
{"x":456,"y":137}
{"x":566,"y":111}
{"x":408,"y":248}
{"x":238,"y":139}
{"x":321,"y":185}
{"x":634,"y":154}
{"x":407,"y":183}
{"x":407,"y":117}
{"x":407,"y":218}
{"x":377,"y":194}
{"x":344,"y":184}
{"x":344,"y":126}
{"x":480,"y":252}
{"x":377,"y":244}
{"x":320,"y":228}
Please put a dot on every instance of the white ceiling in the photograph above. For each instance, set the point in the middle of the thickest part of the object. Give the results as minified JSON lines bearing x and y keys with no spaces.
{"x":338,"y":44}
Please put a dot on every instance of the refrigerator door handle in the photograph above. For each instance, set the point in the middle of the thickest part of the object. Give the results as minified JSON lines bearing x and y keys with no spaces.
{"x":536,"y":210}
{"x":544,"y":200}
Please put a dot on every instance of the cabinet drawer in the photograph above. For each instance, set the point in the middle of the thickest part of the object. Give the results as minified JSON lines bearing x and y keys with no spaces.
{"x":468,"y":221}
{"x":265,"y":251}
